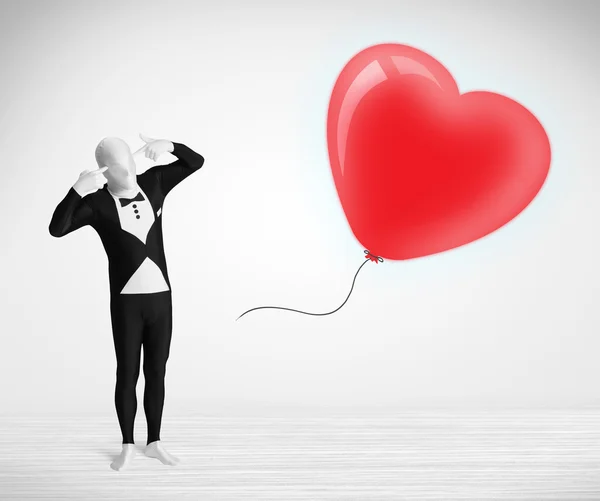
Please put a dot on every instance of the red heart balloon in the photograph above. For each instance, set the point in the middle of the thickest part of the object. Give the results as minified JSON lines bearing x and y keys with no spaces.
{"x":419,"y":167}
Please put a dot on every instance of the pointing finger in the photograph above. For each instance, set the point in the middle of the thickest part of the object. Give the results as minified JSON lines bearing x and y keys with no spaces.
{"x":145,"y":138}
{"x":141,"y":150}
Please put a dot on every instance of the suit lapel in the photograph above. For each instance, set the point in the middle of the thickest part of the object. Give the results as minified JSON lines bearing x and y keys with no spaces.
{"x":149,"y":188}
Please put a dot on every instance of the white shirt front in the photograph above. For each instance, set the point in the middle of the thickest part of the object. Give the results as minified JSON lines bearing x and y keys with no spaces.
{"x":137,"y":218}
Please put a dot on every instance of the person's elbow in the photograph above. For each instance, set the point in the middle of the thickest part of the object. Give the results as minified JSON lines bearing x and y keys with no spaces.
{"x":56,"y":230}
{"x":197,"y":163}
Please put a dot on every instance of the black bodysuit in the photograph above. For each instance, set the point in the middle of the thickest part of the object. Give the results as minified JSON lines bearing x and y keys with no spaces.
{"x":140,"y":290}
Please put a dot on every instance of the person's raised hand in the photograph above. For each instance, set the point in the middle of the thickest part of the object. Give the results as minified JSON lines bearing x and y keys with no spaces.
{"x":90,"y":180}
{"x":154,"y":148}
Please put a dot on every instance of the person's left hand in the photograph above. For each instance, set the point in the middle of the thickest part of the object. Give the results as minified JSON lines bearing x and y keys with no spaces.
{"x":154,"y":148}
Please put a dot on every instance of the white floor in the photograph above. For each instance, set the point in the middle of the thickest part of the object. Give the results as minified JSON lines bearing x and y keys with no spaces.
{"x":435,"y":455}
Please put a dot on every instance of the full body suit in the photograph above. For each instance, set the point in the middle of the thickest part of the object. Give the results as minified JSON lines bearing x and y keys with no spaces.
{"x":130,"y":229}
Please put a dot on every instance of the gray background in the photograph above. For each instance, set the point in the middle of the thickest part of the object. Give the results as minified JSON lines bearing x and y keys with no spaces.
{"x":510,"y":320}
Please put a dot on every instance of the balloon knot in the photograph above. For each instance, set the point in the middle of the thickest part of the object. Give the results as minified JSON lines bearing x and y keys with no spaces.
{"x":373,"y":257}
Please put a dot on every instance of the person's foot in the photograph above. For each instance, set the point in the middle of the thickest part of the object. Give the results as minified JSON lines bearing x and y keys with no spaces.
{"x":156,"y":450}
{"x":125,"y":458}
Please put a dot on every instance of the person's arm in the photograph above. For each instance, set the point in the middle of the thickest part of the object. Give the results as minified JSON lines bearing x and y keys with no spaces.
{"x":70,"y":214}
{"x":74,"y":211}
{"x":170,"y":175}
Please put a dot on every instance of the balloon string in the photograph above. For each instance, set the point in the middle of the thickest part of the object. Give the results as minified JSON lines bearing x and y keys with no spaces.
{"x":368,"y":257}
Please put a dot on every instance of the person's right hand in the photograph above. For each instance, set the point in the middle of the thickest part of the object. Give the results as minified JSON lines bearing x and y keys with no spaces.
{"x":89,"y":181}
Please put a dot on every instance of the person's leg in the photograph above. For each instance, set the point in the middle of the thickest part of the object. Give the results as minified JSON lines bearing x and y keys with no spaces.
{"x":127,"y":324}
{"x":157,"y":342}
{"x":127,"y":335}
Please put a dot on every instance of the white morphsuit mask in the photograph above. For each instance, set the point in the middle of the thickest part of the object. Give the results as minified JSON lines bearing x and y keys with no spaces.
{"x":114,"y":153}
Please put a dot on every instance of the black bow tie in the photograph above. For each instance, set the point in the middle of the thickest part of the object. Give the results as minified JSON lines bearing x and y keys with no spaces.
{"x":126,"y":201}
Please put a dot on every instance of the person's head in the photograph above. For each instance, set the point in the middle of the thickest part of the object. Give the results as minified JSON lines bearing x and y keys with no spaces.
{"x":114,"y":153}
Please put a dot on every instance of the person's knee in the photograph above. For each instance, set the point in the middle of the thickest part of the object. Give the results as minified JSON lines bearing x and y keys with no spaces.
{"x":155,"y":369}
{"x":127,"y":376}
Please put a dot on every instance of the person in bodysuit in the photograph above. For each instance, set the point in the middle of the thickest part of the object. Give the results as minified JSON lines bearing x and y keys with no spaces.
{"x":125,"y":209}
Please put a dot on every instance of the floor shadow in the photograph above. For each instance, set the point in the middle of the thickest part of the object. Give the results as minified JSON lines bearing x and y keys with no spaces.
{"x":111,"y":456}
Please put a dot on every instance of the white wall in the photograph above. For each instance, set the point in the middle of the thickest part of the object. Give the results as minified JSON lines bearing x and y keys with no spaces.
{"x":509,"y":320}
